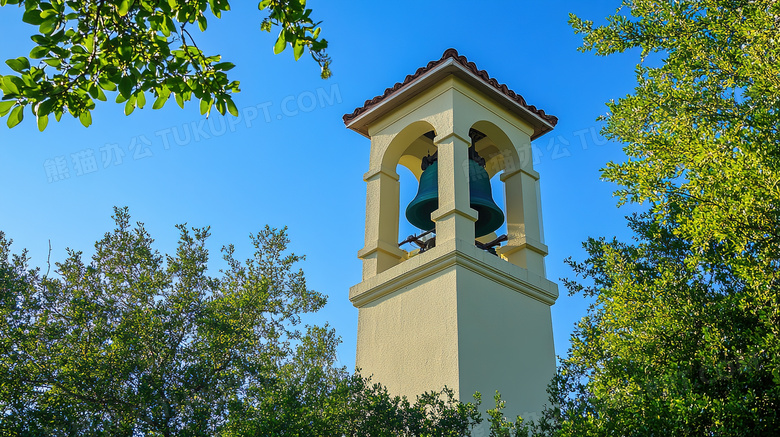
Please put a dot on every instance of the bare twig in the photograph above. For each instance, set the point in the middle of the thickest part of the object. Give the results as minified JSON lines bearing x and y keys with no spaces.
{"x":48,"y":262}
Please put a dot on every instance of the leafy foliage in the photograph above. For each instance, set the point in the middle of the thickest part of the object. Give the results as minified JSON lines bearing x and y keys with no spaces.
{"x":683,"y":337}
{"x":136,"y":343}
{"x":138,"y":48}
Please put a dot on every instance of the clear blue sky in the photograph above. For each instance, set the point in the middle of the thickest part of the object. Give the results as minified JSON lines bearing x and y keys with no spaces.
{"x":236,"y":175}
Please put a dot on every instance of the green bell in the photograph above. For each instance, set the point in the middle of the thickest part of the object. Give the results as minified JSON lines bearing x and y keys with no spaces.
{"x":480,"y":198}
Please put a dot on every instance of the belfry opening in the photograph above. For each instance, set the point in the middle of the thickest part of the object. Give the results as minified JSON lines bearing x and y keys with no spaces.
{"x":490,"y":217}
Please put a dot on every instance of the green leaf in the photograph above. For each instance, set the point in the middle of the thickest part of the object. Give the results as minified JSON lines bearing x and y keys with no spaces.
{"x":48,"y":26}
{"x":54,"y":62}
{"x":123,"y":7}
{"x":126,"y":86}
{"x":130,"y":105}
{"x":100,"y":94}
{"x":125,"y":52}
{"x":140,"y":99}
{"x":224,"y":66}
{"x":45,"y":107}
{"x":85,"y":118}
{"x":160,"y":102}
{"x":43,"y":120}
{"x":107,"y":84}
{"x":231,"y":107}
{"x":281,"y":44}
{"x":298,"y":49}
{"x":202,"y":23}
{"x":38,"y":52}
{"x":96,"y":92}
{"x":33,"y":17}
{"x":6,"y":106}
{"x":11,"y":84}
{"x":16,"y":116}
{"x":92,"y":90}
{"x":19,"y":64}
{"x":180,"y":100}
{"x":205,"y":106}
{"x":263,"y":4}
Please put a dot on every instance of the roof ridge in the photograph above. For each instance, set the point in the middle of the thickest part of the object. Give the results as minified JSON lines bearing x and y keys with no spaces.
{"x":451,"y":53}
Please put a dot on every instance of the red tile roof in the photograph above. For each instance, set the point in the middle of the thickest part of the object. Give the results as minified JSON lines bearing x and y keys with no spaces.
{"x":482,"y":74}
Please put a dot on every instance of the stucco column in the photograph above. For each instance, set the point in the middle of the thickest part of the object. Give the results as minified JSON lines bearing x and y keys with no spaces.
{"x":455,"y":218}
{"x":381,"y":248}
{"x":525,"y":247}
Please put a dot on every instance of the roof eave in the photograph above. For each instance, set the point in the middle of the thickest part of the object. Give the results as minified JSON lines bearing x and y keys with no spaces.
{"x":439,"y":72}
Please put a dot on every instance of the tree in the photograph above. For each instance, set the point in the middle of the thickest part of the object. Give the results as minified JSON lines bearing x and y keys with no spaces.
{"x":139,"y":48}
{"x":683,"y":337}
{"x":136,"y":343}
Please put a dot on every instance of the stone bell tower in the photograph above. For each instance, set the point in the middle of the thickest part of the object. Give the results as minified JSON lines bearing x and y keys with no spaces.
{"x":455,"y":314}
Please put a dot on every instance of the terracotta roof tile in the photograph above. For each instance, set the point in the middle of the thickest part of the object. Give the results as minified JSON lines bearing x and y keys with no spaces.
{"x":482,"y":74}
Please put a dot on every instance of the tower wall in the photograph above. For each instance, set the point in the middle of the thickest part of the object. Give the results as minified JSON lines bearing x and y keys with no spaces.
{"x":455,"y":315}
{"x":459,"y":317}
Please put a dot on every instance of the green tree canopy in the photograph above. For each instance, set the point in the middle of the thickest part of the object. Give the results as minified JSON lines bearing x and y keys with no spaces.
{"x":139,"y":48}
{"x":683,"y":337}
{"x":133,"y":342}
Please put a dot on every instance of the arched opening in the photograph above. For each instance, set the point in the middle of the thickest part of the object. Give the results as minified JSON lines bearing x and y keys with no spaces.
{"x":403,"y":161}
{"x":500,"y":155}
{"x":410,"y":169}
{"x":392,"y":185}
{"x":408,"y":184}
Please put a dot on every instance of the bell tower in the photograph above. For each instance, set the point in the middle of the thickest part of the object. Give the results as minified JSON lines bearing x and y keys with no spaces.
{"x":471,"y":315}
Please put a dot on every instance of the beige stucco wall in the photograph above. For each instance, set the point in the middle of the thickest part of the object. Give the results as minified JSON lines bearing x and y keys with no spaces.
{"x":459,"y":317}
{"x":505,"y":343}
{"x":409,"y":340}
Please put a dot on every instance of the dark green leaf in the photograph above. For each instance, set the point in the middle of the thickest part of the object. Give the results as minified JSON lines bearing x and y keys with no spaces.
{"x":33,"y":17}
{"x":45,"y":107}
{"x":126,"y":86}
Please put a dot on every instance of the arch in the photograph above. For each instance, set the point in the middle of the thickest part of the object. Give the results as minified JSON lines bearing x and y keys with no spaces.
{"x":406,"y":147}
{"x":497,"y":148}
